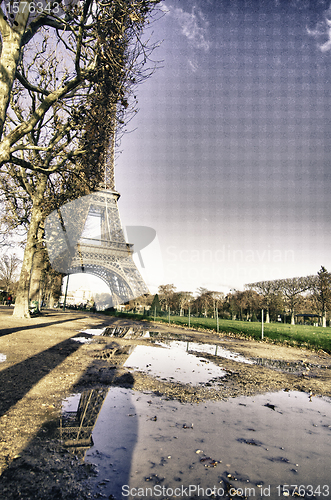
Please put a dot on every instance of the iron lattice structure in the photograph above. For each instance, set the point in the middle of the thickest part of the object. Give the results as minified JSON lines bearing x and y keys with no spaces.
{"x":76,"y":426}
{"x":108,"y":256}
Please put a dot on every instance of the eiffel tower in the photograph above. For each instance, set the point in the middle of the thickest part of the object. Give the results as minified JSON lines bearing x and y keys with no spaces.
{"x":86,"y":235}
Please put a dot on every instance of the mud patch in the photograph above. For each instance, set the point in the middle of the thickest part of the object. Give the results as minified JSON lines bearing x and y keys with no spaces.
{"x":287,"y":366}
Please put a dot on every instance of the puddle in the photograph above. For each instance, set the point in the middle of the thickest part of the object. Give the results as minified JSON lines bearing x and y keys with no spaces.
{"x":124,"y":332}
{"x":3,"y":357}
{"x":88,"y":332}
{"x":166,"y":335}
{"x":173,"y":360}
{"x":173,"y":363}
{"x":93,"y":331}
{"x":143,"y":443}
{"x":119,"y":332}
{"x":216,"y":350}
{"x":115,"y":331}
{"x":213,"y":349}
{"x":81,"y":340}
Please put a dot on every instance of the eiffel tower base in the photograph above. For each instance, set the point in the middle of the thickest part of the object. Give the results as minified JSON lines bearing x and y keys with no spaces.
{"x":107,"y":256}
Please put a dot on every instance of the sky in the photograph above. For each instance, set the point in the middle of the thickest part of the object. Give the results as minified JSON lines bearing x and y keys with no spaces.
{"x":228,"y":158}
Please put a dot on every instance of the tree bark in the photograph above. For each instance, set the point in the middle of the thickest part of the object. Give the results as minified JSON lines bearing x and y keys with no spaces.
{"x":22,"y":296}
{"x":267,"y":316}
{"x":292,"y":318}
{"x":38,"y":274}
{"x":54,"y":289}
{"x":10,"y":54}
{"x":324,"y":319}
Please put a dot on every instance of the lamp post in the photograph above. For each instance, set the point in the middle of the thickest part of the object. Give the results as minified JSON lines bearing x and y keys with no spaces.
{"x":189,"y":316}
{"x":65,"y":295}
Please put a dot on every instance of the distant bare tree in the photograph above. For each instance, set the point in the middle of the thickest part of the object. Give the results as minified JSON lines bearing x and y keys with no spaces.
{"x":217,"y":298}
{"x":203,"y":300}
{"x":253,"y":304}
{"x":183,"y":299}
{"x":9,"y":272}
{"x":166,"y":295}
{"x":267,"y":289}
{"x":292,"y":288}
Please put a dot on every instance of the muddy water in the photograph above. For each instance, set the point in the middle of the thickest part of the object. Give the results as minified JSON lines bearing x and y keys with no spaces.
{"x":174,"y":362}
{"x":149,"y":447}
{"x":215,"y":350}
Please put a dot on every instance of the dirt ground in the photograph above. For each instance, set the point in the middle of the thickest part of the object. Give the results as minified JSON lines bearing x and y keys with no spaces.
{"x":44,"y":365}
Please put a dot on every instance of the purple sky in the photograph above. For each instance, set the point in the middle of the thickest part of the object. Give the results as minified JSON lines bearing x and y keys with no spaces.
{"x":230,"y":157}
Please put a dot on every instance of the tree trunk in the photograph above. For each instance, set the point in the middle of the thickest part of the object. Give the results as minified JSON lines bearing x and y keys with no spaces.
{"x":324,"y":319}
{"x":54,"y":290}
{"x":22,"y":295}
{"x":267,"y":316}
{"x":10,"y":54}
{"x":38,"y":274}
{"x":292,"y":318}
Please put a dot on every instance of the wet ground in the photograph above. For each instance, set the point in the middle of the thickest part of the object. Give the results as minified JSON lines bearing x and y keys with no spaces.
{"x":149,"y":410}
{"x":250,"y":445}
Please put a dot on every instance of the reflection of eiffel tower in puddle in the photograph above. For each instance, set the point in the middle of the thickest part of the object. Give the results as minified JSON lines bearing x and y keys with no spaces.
{"x":76,"y":426}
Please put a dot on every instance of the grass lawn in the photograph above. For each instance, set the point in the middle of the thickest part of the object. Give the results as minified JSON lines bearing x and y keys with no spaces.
{"x":312,"y":337}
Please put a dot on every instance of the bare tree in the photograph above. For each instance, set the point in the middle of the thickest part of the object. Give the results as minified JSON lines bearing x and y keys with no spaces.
{"x":217,"y":298}
{"x":72,"y":86}
{"x":203,"y":300}
{"x":292,"y":289}
{"x":166,"y":295}
{"x":268,"y":290}
{"x":253,"y":304}
{"x":9,"y":272}
{"x":183,"y":299}
{"x":55,"y":53}
{"x":321,"y":291}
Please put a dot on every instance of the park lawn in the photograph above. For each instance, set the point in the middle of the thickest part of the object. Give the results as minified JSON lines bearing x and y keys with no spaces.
{"x":296,"y":335}
{"x":312,"y":337}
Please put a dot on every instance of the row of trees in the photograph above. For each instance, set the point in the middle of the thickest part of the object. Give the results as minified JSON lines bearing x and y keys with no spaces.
{"x":67,"y":77}
{"x":311,"y":294}
{"x":308,"y":296}
{"x":281,"y":299}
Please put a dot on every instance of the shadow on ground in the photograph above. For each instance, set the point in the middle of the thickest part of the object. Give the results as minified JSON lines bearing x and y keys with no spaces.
{"x":17,"y":380}
{"x":47,"y":469}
